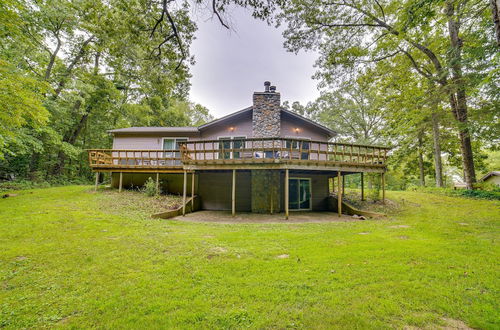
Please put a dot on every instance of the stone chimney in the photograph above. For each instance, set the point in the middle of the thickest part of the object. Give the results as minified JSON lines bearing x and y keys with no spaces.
{"x":266,"y":122}
{"x":266,"y":118}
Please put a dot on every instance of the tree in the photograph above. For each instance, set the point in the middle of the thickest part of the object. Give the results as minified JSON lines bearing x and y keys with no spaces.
{"x":101,"y":66}
{"x":354,"y":110}
{"x":352,"y":35}
{"x":21,"y":103}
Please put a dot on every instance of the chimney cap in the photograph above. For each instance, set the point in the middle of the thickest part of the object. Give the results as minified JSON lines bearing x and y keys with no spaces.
{"x":267,"y":83}
{"x":273,"y":89}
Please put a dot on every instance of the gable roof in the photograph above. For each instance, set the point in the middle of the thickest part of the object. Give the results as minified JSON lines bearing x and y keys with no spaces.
{"x":222,"y":119}
{"x":191,"y":129}
{"x":325,"y":129}
{"x":330,"y":132}
{"x":490,"y":174}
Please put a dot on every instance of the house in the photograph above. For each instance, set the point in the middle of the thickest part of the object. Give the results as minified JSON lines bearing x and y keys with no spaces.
{"x":492,"y":177}
{"x":263,"y":158}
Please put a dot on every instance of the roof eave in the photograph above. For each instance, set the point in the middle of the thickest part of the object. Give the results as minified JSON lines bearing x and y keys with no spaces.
{"x":329,"y":131}
{"x":231,"y":115}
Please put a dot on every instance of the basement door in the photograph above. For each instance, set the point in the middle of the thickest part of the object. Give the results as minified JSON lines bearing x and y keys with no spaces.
{"x":299,"y":194}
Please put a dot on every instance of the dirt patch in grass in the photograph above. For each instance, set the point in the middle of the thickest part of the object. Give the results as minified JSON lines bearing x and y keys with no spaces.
{"x":448,"y":324}
{"x":283,"y":256}
{"x":353,"y":197}
{"x":135,"y":202}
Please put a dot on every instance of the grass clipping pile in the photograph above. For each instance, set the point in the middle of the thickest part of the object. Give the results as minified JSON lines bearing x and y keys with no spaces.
{"x":136,"y":202}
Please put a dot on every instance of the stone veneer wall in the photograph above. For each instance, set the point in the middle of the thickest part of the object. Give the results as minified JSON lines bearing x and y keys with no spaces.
{"x":266,"y":189}
{"x":266,"y":122}
{"x":266,"y":118}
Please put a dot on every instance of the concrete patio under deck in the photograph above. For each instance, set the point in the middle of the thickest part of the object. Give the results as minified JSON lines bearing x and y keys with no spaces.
{"x":248,"y":217}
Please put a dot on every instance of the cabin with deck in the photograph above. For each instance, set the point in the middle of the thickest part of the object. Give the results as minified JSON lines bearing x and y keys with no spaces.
{"x":263,"y":158}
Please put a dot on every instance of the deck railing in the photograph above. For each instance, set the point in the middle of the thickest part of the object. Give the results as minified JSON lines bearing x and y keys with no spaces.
{"x":132,"y":158}
{"x":255,"y":150}
{"x":243,"y":151}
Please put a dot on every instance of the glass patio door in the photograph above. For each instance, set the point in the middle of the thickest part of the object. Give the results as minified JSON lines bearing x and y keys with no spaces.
{"x":229,"y":146}
{"x":299,"y":194}
{"x":171,"y":145}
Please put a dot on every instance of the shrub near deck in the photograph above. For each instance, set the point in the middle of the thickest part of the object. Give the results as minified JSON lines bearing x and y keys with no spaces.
{"x":65,"y":261}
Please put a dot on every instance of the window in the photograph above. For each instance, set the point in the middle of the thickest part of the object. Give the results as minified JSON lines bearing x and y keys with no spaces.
{"x":229,"y":145}
{"x":172,"y":145}
{"x":299,"y":194}
{"x":299,"y":145}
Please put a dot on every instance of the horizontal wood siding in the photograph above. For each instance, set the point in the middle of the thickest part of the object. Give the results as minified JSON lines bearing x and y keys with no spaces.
{"x":238,"y":126}
{"x":146,"y":141}
{"x":305,"y":130}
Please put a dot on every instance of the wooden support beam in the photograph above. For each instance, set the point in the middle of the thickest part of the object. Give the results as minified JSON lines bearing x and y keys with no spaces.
{"x":96,"y":180}
{"x":233,"y":195}
{"x":192,"y":192}
{"x":287,"y":192}
{"x":339,"y":193}
{"x":184,"y":189}
{"x":343,"y":184}
{"x":157,"y":183}
{"x":383,"y":188}
{"x":271,"y":195}
{"x":120,"y":186}
{"x":362,"y":186}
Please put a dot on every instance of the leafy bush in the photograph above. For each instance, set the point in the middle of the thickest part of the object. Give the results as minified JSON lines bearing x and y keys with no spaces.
{"x":150,"y":188}
{"x":31,"y":184}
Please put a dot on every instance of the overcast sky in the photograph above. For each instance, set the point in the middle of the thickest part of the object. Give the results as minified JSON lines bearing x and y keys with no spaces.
{"x":231,"y":65}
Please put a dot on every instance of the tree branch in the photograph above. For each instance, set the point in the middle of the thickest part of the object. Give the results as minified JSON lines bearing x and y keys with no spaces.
{"x":416,"y":66}
{"x":175,"y":32}
{"x":216,"y":12}
{"x":71,"y":66}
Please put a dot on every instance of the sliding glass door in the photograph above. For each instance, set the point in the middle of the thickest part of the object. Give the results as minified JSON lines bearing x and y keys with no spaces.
{"x":299,"y":194}
{"x":171,"y":147}
{"x":229,"y":146}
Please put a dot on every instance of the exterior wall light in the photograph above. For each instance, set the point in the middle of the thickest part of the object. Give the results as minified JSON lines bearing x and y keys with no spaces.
{"x":231,"y":128}
{"x":297,"y":130}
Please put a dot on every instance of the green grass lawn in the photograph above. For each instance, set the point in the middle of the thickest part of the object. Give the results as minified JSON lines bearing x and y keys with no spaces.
{"x":69,"y":258}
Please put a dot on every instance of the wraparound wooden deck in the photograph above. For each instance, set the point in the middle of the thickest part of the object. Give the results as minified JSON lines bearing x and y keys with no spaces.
{"x":246,"y":154}
{"x":253,"y":153}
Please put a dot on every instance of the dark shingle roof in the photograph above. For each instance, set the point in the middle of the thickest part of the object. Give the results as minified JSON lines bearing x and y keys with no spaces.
{"x":487,"y":176}
{"x":184,"y":129}
{"x":328,"y":131}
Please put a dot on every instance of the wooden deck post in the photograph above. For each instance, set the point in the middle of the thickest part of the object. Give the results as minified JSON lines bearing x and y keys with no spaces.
{"x":383,"y":188}
{"x":120,"y":186}
{"x":192,"y":192}
{"x":343,"y":184}
{"x":184,"y":194}
{"x":96,"y":180}
{"x":157,"y":182}
{"x":287,"y":192}
{"x":233,"y":195}
{"x":362,"y":186}
{"x":339,"y":194}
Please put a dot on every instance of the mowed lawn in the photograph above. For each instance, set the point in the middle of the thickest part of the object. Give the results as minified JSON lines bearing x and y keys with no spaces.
{"x":70,"y":259}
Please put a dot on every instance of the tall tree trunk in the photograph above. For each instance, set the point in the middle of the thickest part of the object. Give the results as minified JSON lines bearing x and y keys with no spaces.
{"x":71,"y":66}
{"x":438,"y":166}
{"x":53,"y":57}
{"x":458,"y":97}
{"x":421,"y":158}
{"x":495,"y":10}
{"x":70,"y":138}
{"x":73,"y":135}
